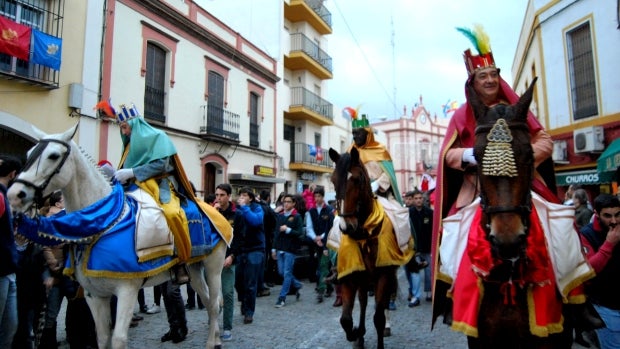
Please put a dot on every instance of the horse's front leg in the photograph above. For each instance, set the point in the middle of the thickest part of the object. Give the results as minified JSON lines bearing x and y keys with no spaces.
{"x":126,"y":301}
{"x":347,"y":292}
{"x":213,"y":267}
{"x":100,"y":309}
{"x":361,"y":328}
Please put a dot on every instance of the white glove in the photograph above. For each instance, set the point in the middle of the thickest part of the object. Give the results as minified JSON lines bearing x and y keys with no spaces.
{"x":123,"y":175}
{"x":374,"y":186}
{"x":468,"y":156}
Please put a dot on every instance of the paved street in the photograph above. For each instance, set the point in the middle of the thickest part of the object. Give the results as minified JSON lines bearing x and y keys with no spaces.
{"x":302,"y":324}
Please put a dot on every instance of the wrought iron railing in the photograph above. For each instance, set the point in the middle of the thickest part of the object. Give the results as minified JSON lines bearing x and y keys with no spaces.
{"x":220,"y":122}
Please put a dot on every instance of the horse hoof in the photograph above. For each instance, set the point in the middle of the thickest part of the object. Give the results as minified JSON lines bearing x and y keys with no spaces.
{"x":387,"y":332}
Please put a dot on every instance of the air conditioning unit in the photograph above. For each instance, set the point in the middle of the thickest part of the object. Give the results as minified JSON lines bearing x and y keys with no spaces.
{"x":560,"y":152}
{"x":589,"y":139}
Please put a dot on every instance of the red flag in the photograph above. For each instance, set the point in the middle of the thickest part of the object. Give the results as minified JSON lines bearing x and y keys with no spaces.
{"x":14,"y":39}
{"x":319,"y":154}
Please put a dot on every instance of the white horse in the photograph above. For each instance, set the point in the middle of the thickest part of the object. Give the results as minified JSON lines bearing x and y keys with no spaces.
{"x":58,"y":163}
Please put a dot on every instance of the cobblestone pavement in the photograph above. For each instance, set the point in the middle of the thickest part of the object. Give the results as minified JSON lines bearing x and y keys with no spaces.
{"x":302,"y":324}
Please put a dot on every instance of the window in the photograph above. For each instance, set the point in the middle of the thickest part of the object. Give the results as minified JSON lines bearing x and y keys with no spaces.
{"x":289,"y":133}
{"x":582,"y":77}
{"x":36,"y":14}
{"x":215,"y":106}
{"x":254,"y":126}
{"x":155,"y":77}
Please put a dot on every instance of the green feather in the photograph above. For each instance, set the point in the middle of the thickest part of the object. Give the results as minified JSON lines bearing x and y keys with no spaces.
{"x":471,"y":36}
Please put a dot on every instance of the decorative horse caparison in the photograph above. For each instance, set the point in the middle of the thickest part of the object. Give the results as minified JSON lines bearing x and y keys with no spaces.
{"x":355,"y":204}
{"x":505,"y":173}
{"x":57,"y":163}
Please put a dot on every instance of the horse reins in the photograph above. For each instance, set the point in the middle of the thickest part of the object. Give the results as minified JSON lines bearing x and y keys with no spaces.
{"x":36,"y":152}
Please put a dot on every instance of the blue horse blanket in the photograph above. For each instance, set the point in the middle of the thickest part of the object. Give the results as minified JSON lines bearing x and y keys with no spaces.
{"x":104,"y":233}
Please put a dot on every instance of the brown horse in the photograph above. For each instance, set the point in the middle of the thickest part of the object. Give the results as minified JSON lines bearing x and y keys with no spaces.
{"x":355,"y":204}
{"x":505,"y":172}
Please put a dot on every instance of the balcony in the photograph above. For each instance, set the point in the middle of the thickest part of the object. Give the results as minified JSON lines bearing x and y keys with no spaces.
{"x":306,"y":105}
{"x":305,"y":54}
{"x":219,"y":124}
{"x":311,"y":11}
{"x":301,"y":160}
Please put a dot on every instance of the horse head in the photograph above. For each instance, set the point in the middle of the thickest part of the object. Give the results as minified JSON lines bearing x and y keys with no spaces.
{"x":353,"y":193}
{"x":505,"y":171}
{"x":53,"y":164}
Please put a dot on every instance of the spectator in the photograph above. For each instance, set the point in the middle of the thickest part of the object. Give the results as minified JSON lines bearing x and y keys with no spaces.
{"x":308,"y":195}
{"x":227,"y":208}
{"x":319,"y":221}
{"x":421,"y":218}
{"x":269,"y":224}
{"x":600,"y":239}
{"x":583,"y":214}
{"x":251,"y":258}
{"x":287,"y":239}
{"x":9,"y":166}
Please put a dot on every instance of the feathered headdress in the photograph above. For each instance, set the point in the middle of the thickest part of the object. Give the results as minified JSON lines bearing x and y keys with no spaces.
{"x":125,"y":113}
{"x":349,"y":112}
{"x":482,"y":44}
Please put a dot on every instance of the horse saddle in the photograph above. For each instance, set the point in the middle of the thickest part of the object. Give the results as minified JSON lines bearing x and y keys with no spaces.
{"x":153,"y":238}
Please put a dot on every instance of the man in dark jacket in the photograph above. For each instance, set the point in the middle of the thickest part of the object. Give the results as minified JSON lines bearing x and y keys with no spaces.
{"x":319,"y":220}
{"x":269,"y":224}
{"x":600,"y":241}
{"x":227,"y":208}
{"x":249,"y":262}
{"x":287,"y":239}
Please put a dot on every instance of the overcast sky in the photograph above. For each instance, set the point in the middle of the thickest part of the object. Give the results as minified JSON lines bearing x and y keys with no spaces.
{"x":419,"y":54}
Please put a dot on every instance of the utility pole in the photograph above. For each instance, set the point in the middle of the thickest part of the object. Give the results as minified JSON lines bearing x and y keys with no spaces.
{"x":393,"y":69}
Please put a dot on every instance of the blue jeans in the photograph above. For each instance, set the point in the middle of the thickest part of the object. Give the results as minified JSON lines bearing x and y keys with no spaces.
{"x":286,"y":262}
{"x":414,"y":283}
{"x":249,"y":267}
{"x":609,"y":337}
{"x":427,"y":271}
{"x":228,"y":293}
{"x":8,"y":310}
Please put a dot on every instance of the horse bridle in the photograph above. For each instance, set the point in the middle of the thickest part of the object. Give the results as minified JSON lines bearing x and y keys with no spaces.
{"x":36,"y":152}
{"x":523,"y":210}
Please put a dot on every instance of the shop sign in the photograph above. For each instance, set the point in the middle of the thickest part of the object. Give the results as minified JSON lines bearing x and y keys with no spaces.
{"x":264,"y":171}
{"x":308,"y":176}
{"x":588,"y":177}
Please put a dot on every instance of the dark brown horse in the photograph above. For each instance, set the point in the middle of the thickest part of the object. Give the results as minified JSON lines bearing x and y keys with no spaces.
{"x":505,"y":172}
{"x":355,"y":204}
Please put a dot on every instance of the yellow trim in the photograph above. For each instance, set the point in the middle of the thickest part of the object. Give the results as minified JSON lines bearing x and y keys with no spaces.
{"x":541,"y":331}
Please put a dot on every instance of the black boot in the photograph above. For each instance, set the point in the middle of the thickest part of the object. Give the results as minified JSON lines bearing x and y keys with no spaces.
{"x":180,"y":274}
{"x":48,"y":339}
{"x":584,"y":316}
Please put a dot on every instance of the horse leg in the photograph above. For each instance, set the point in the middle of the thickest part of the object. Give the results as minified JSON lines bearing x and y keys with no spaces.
{"x":347,"y":291}
{"x":127,"y":297}
{"x":361,"y":328}
{"x":213,"y":267}
{"x":386,"y":286}
{"x":100,"y":309}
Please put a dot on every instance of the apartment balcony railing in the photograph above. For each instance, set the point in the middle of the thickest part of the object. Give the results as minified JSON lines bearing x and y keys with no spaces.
{"x":301,"y":159}
{"x":306,"y":105}
{"x":300,"y":42}
{"x":310,"y":11}
{"x":320,"y":10}
{"x":219,"y":123}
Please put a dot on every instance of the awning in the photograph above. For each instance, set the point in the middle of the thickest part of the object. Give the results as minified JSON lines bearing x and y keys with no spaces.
{"x":610,"y":159}
{"x":585,"y":177}
{"x":254,"y":178}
